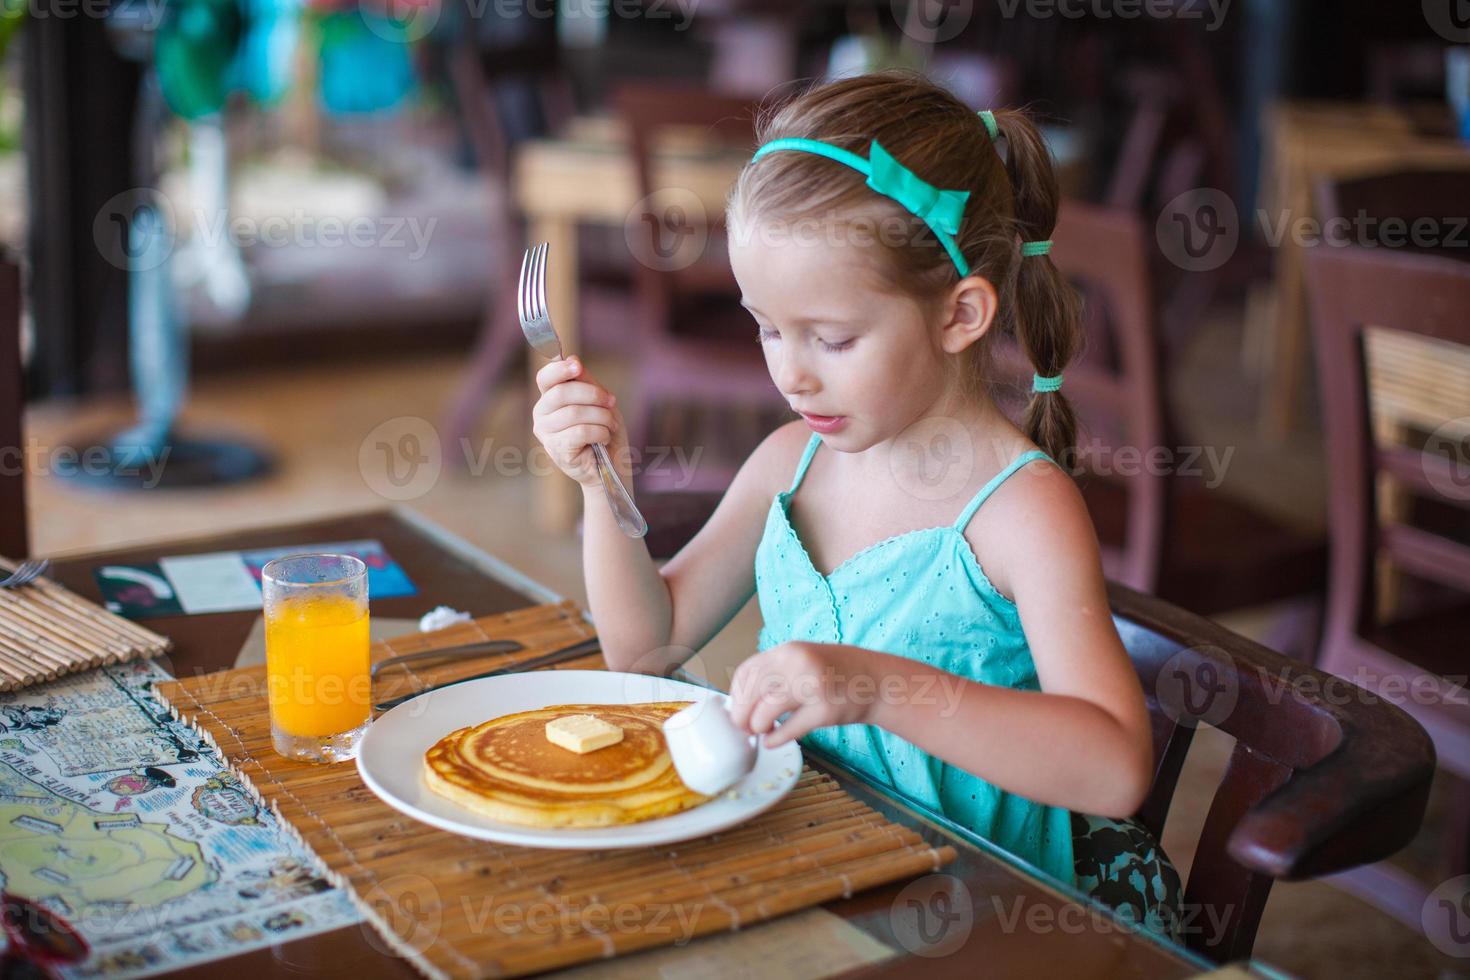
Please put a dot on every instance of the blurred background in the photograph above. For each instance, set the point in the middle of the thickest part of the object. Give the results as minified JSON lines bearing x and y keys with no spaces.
{"x":261,"y":262}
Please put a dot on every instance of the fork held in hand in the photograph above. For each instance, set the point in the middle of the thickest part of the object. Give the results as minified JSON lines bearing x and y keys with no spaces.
{"x":541,"y":335}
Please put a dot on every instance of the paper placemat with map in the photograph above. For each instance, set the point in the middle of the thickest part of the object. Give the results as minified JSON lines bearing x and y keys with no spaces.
{"x":122,"y":821}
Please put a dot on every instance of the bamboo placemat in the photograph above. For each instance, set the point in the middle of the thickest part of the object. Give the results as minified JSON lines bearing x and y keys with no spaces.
{"x":457,"y":907}
{"x":47,"y":630}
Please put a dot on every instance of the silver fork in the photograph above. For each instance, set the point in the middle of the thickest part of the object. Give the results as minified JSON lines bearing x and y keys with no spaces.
{"x":26,"y":573}
{"x":541,"y":335}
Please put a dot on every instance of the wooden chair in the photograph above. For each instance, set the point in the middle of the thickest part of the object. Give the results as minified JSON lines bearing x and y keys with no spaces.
{"x":14,"y":537}
{"x":1163,"y":532}
{"x":1422,"y":298}
{"x":695,"y":342}
{"x":1322,"y":777}
{"x":1442,"y":196}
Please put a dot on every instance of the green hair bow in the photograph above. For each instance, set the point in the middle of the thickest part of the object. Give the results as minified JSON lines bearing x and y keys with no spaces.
{"x":940,"y":209}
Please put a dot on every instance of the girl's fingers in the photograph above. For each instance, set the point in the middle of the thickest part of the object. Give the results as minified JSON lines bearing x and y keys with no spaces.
{"x":769,"y":708}
{"x":743,"y":691}
{"x":572,"y":393}
{"x":803,"y":720}
{"x":565,"y":418}
{"x":587,"y":435}
{"x":555,"y":372}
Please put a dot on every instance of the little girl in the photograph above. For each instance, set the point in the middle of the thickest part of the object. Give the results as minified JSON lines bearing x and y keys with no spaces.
{"x":933,"y":602}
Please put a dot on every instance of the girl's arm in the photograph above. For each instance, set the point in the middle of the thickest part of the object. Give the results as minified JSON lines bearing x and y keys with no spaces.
{"x":1082,"y":742}
{"x":652,"y":619}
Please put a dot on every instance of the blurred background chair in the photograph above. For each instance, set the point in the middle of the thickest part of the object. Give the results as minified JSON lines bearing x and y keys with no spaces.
{"x":1162,"y":531}
{"x":696,"y":344}
{"x":1392,"y":339}
{"x":1409,"y":196}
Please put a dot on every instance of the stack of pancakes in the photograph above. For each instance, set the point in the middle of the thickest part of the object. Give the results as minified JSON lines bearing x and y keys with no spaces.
{"x":506,"y":769}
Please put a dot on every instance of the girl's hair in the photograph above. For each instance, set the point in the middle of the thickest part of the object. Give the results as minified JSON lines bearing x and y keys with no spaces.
{"x":1013,"y":199}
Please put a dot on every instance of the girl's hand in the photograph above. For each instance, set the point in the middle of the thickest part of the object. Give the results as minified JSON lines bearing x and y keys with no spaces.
{"x":821,"y":684}
{"x":573,"y":412}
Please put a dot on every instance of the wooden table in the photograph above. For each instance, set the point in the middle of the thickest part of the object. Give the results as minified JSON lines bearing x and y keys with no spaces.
{"x":588,"y":176}
{"x":1021,"y":924}
{"x":1308,"y":141}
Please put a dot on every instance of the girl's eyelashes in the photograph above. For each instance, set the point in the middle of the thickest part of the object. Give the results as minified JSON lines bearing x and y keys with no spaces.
{"x":764,"y":336}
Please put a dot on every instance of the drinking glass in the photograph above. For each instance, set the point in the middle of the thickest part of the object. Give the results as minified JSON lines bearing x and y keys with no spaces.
{"x":316,"y":650}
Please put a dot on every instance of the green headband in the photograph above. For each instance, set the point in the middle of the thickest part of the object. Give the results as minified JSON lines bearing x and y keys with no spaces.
{"x":940,"y":209}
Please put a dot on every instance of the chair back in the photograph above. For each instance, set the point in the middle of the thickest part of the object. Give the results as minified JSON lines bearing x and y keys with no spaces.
{"x":14,"y":536}
{"x":1391,"y":329}
{"x":725,"y":123}
{"x":1384,"y":208}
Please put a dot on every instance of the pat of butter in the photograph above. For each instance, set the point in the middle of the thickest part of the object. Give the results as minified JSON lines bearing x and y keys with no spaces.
{"x":582,"y":733}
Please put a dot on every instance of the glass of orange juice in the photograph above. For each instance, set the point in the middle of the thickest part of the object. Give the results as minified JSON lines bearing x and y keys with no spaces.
{"x":316,"y":652}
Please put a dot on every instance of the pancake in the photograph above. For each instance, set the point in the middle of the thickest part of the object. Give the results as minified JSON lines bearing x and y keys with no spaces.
{"x":506,"y":769}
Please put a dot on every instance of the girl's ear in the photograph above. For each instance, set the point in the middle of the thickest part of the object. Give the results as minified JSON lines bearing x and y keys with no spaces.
{"x":968,"y":313}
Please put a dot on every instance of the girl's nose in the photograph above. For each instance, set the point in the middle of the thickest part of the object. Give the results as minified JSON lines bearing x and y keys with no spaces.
{"x":791,"y":374}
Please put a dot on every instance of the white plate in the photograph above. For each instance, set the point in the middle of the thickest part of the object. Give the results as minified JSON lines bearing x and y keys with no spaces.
{"x":391,"y":757}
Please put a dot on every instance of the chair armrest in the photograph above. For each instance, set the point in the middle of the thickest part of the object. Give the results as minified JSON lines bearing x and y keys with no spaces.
{"x":1360,"y":767}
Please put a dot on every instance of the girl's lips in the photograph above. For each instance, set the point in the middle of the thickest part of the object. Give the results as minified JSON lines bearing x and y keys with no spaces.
{"x":825,"y":423}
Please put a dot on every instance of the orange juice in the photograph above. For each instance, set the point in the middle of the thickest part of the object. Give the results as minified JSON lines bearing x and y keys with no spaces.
{"x":317,"y":664}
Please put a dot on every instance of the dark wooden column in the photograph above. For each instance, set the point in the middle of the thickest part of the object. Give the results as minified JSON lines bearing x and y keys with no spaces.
{"x":79,"y":106}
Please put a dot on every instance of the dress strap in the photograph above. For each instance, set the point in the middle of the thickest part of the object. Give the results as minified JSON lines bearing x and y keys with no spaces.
{"x":995,"y":482}
{"x":806,"y":460}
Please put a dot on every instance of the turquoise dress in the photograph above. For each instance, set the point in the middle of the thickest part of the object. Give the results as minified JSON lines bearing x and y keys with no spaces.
{"x":923,"y":595}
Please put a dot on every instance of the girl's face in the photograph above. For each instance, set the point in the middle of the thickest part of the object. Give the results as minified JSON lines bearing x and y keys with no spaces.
{"x":860,"y":362}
